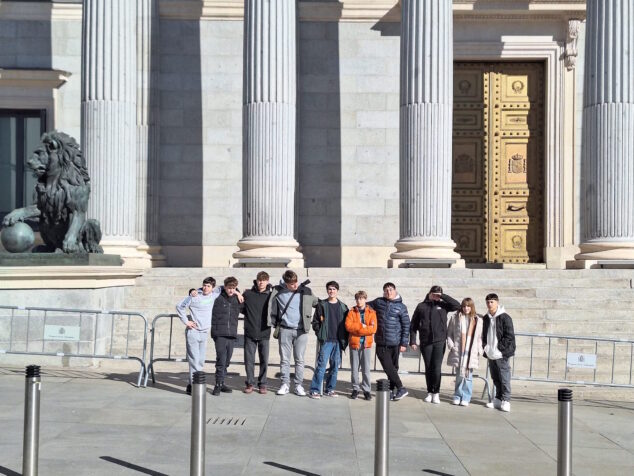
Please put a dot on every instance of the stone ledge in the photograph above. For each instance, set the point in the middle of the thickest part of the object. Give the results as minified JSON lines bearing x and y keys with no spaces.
{"x":67,"y":277}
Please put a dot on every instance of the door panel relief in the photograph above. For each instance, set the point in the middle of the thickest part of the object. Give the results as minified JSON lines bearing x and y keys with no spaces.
{"x":497,"y":208}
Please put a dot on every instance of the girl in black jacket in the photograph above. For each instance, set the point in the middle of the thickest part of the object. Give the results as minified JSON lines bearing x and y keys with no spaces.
{"x":430,"y":321}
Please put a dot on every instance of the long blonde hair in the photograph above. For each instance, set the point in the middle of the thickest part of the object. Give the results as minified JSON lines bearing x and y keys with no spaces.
{"x":468,"y":302}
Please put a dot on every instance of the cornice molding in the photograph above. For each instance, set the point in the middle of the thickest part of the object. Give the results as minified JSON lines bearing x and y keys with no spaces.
{"x":33,"y":78}
{"x":343,"y":10}
{"x":39,"y":11}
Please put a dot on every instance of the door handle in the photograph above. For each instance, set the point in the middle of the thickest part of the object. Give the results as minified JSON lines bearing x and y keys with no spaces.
{"x":512,"y":208}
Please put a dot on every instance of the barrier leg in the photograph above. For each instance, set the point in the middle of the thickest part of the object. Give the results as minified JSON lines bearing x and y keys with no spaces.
{"x":382,"y":428}
{"x":31,"y":442}
{"x":564,"y":432}
{"x":199,"y":417}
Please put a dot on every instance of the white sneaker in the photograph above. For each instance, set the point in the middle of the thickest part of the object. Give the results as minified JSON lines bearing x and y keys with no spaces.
{"x":300,"y":392}
{"x":464,"y":404}
{"x":283,"y":389}
{"x":435,"y":398}
{"x":494,"y":404}
{"x":429,"y":397}
{"x":505,"y":406}
{"x":455,"y":401}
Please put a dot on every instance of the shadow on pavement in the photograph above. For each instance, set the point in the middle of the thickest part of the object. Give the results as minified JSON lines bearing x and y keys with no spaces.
{"x":290,"y":469}
{"x":8,"y":472}
{"x":135,"y":467}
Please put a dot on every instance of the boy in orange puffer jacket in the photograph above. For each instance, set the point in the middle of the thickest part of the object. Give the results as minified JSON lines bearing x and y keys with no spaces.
{"x":361,"y":326}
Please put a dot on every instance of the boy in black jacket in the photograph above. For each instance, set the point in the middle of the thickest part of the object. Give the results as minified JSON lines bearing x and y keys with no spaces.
{"x":224,"y":331}
{"x":257,"y":332}
{"x":498,"y":340}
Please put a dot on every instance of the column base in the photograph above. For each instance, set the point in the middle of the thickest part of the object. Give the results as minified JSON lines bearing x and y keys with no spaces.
{"x":425,"y":253}
{"x":129,"y":252}
{"x":153,"y":255}
{"x":604,"y":254}
{"x":269,"y":253}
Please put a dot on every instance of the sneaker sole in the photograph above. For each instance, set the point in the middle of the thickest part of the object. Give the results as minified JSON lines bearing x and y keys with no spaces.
{"x":396,"y":399}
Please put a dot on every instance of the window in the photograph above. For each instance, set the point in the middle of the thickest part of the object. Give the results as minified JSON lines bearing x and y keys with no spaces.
{"x":20,"y":132}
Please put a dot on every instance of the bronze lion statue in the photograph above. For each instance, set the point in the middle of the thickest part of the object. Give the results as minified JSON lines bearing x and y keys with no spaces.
{"x":62,"y":192}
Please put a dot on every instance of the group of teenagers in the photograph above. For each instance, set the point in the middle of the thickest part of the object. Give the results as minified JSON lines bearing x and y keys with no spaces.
{"x":287,"y":311}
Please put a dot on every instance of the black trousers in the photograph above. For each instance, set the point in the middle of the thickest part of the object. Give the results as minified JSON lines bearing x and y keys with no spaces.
{"x":432,"y":356}
{"x":250,"y":346}
{"x":224,"y":351}
{"x":388,"y":356}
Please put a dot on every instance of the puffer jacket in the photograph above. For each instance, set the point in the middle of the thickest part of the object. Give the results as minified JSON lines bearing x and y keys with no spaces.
{"x":320,"y":323}
{"x":357,"y":330}
{"x":307,"y":302}
{"x":503,"y":330}
{"x":430,"y":319}
{"x":392,"y":321}
{"x":454,"y":342}
{"x":224,"y":322}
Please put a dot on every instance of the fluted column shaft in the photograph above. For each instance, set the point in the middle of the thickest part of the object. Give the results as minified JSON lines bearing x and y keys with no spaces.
{"x":608,"y":131}
{"x":426,"y":130}
{"x":108,"y":115}
{"x":147,"y":122}
{"x":269,"y":129}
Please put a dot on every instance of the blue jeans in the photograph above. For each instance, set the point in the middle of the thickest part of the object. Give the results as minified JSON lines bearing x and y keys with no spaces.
{"x":464,"y":387}
{"x":328,"y":352}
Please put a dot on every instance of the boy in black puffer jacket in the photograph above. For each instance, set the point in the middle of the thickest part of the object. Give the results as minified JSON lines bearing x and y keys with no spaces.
{"x":224,"y":331}
{"x":392,"y":335}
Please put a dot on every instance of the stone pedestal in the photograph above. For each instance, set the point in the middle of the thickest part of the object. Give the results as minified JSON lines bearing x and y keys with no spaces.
{"x":426,"y":132}
{"x":608,"y":134}
{"x":269,"y":132}
{"x":108,"y":121}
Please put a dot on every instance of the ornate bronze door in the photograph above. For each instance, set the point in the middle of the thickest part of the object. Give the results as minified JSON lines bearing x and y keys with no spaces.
{"x":498,"y":160}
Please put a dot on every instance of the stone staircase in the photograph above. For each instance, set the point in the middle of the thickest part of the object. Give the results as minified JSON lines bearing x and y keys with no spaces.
{"x":596,"y":303}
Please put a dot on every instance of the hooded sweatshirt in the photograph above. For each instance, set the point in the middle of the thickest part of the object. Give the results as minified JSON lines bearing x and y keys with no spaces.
{"x":256,"y":305}
{"x":498,"y":336}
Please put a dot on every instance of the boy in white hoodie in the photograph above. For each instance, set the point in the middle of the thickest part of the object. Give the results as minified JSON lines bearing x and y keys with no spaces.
{"x":498,"y":340}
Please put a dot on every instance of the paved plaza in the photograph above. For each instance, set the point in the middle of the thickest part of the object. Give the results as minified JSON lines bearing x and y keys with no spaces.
{"x":96,"y":423}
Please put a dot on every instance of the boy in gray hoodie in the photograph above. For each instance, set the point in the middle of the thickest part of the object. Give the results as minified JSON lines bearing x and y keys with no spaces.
{"x":197,"y":325}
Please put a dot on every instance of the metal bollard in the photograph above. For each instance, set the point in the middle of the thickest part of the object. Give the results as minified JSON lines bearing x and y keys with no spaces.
{"x":382,"y":428}
{"x":564,"y":433}
{"x":199,"y":417}
{"x":31,"y":442}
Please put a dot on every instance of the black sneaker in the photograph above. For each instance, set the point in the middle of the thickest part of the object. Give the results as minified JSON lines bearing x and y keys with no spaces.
{"x":354,"y":395}
{"x":402,"y":392}
{"x":216,"y":391}
{"x":367,"y":396}
{"x":188,"y":390}
{"x":225,"y":389}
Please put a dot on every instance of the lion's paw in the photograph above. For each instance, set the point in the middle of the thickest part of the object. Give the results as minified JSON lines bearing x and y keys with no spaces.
{"x":13,"y":217}
{"x":71,"y":246}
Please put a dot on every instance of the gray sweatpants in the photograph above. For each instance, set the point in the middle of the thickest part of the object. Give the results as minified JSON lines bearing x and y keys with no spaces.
{"x":196,"y":348}
{"x":360,"y":357}
{"x":292,"y":341}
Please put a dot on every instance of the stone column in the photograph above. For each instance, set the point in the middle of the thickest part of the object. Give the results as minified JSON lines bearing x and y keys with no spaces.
{"x":147,"y":132}
{"x":608,"y":133}
{"x":426,"y":132}
{"x":108,"y":120}
{"x":268,"y":134}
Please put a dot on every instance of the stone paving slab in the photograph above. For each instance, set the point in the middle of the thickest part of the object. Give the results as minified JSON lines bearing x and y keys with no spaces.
{"x":95,"y":425}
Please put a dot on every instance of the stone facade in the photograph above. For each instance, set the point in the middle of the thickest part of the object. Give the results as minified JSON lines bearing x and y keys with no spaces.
{"x":346,"y":198}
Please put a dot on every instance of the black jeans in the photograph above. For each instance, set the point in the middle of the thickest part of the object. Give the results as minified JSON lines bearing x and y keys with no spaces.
{"x":224,"y":351}
{"x":432,"y":355}
{"x":250,"y":346}
{"x":388,"y":356}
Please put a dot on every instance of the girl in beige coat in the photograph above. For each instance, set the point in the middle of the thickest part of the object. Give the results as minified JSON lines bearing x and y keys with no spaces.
{"x":464,"y":340}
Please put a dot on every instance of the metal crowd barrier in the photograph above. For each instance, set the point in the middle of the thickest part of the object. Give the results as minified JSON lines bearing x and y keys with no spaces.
{"x":83,"y":333}
{"x":581,"y":360}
